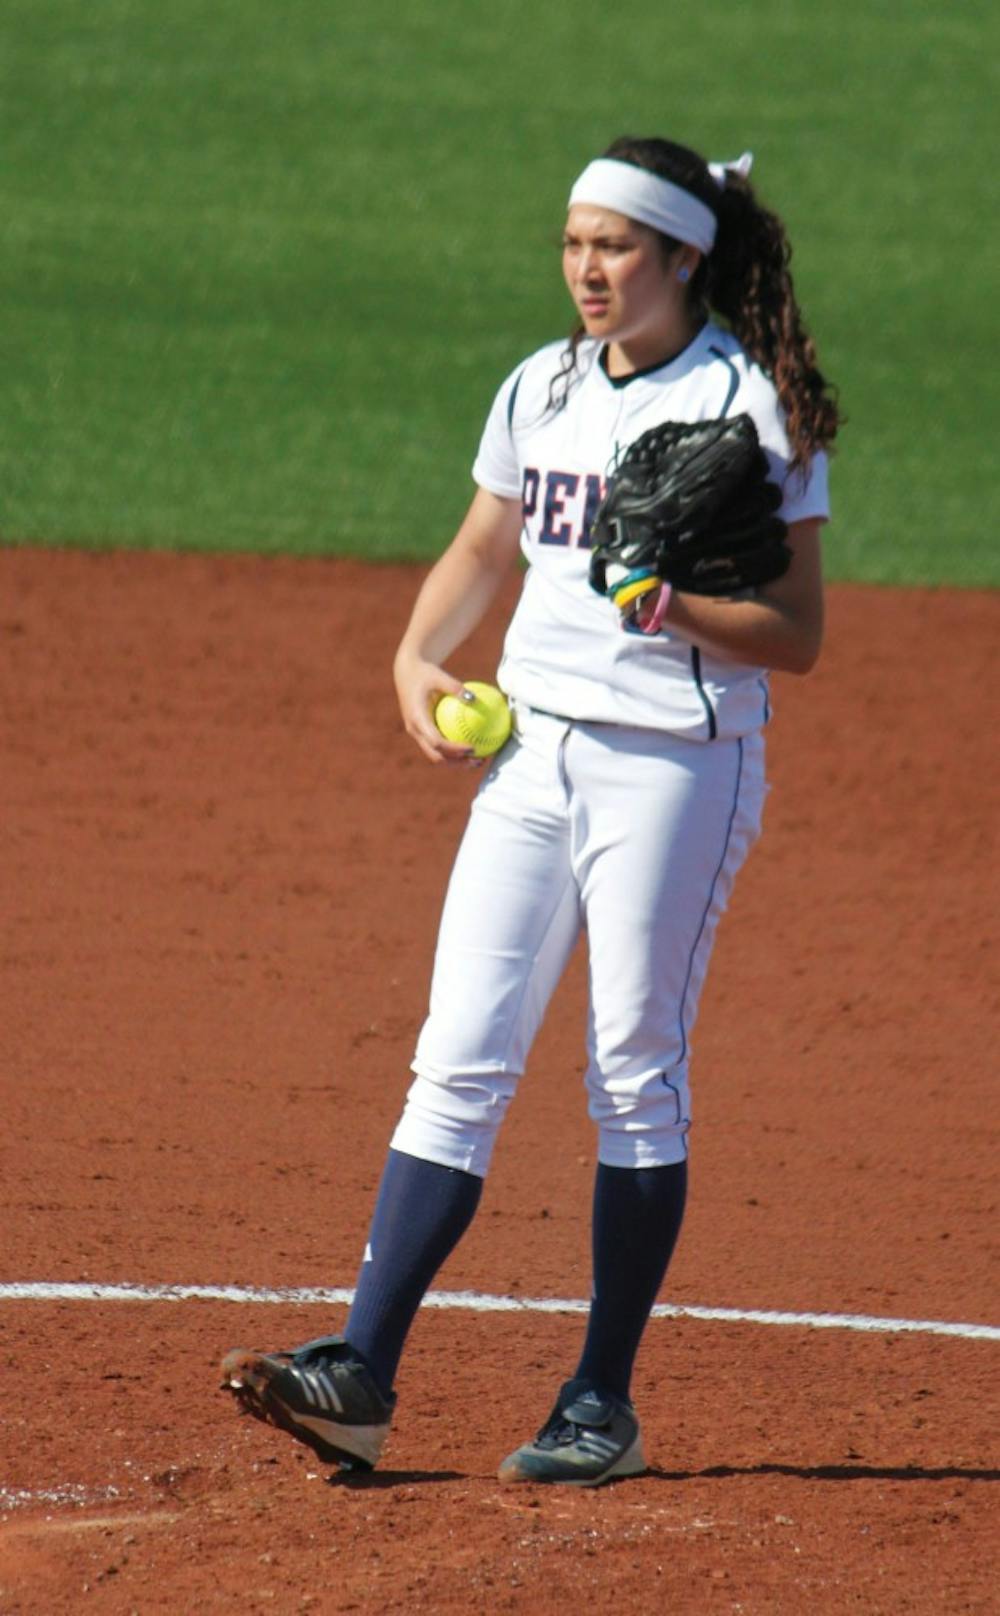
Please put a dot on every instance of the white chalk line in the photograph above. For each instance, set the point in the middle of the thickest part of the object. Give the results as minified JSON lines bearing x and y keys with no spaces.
{"x":477,"y":1302}
{"x":70,"y":1492}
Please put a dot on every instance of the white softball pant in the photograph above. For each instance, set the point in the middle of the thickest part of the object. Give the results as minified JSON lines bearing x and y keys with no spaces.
{"x":636,"y":836}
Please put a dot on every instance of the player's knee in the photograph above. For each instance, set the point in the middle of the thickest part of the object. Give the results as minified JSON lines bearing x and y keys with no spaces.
{"x":452,"y":1117}
{"x":642,"y":1120}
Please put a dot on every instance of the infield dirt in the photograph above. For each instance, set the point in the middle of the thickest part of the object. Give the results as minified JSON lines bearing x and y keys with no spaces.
{"x":222,"y":870}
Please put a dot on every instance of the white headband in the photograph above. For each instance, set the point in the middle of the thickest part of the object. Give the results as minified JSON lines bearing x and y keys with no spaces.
{"x":645,"y":197}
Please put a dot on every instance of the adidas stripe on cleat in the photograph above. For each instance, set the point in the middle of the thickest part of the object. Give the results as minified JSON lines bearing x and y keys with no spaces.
{"x":589,"y":1438}
{"x":322,"y":1394}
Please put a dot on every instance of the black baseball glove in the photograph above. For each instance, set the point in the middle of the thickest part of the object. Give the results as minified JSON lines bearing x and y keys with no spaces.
{"x":690,"y":505}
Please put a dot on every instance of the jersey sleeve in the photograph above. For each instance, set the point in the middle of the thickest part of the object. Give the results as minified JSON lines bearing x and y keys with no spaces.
{"x":806,"y":494}
{"x":496,"y":466}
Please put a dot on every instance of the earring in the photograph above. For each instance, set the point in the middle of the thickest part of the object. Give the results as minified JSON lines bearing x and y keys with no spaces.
{"x":683,"y":274}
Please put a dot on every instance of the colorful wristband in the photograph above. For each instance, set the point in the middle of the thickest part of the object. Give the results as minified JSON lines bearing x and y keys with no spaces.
{"x":655,"y":623}
{"x":633,"y":589}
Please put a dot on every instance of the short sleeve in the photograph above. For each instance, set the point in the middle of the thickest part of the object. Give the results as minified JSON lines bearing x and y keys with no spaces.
{"x":496,"y":467}
{"x":805,"y":494}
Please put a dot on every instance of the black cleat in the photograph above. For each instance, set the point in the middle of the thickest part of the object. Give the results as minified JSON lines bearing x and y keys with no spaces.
{"x":322,"y":1394}
{"x":590,"y":1437}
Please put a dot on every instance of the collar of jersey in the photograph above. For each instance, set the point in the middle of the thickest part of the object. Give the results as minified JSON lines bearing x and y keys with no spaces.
{"x":619,"y":382}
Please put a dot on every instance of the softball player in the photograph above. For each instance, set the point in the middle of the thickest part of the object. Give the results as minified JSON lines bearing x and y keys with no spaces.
{"x":625,"y":801}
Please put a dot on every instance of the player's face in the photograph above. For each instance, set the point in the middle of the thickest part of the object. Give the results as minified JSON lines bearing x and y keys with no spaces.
{"x":625,"y":288}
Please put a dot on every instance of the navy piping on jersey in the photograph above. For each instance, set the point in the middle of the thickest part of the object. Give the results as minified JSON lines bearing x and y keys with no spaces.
{"x":713,"y":727}
{"x":513,"y":399}
{"x":734,"y":378}
{"x":711,"y":895}
{"x":767,"y":700}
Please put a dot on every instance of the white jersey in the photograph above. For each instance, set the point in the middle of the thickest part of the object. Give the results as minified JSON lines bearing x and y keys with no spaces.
{"x":565,"y":651}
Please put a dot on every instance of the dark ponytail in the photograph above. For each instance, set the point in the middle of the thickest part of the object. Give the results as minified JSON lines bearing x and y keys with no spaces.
{"x":747,"y":282}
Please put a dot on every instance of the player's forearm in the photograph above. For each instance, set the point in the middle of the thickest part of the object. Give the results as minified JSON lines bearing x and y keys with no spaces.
{"x":756,"y":632}
{"x":454,"y":599}
{"x":781,"y":627}
{"x":461,"y":586}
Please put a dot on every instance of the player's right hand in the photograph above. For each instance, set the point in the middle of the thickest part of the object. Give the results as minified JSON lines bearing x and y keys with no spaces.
{"x":419,"y":687}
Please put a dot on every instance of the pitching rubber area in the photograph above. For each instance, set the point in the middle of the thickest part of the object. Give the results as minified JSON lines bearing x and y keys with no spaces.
{"x":221,"y":886}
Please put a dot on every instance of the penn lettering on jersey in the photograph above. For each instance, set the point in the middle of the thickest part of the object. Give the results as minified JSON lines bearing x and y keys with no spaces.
{"x":568,"y":506}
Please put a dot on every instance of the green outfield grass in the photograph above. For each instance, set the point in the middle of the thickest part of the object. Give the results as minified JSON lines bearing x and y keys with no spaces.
{"x":264,"y":265}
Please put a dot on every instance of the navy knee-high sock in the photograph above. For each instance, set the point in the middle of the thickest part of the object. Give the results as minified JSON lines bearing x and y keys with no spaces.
{"x":421,"y":1213}
{"x":637,"y":1218}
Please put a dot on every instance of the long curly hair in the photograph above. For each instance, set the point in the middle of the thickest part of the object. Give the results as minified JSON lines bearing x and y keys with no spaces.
{"x":746,"y":282}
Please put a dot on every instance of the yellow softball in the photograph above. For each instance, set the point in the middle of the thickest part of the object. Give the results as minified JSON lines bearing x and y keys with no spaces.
{"x":482,"y":722}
